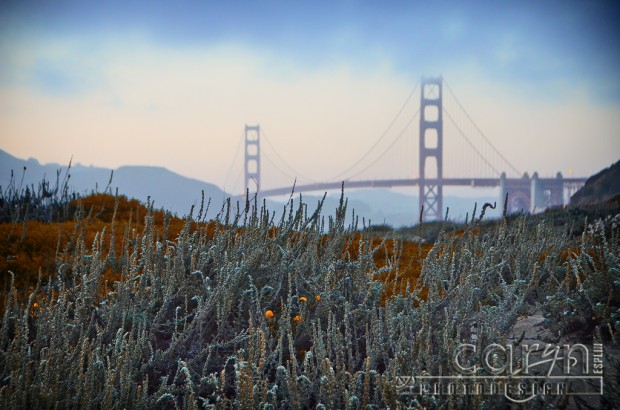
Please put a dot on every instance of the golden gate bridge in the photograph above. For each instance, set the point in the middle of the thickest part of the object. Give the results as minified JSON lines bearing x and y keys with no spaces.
{"x":417,"y":131}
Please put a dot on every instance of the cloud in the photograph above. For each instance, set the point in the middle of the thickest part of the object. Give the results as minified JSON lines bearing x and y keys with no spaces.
{"x":532,"y":44}
{"x":186,"y":108}
{"x":184,"y":104}
{"x":52,"y":80}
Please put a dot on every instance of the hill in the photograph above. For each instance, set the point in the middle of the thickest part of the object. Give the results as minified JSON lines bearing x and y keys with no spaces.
{"x":599,"y":188}
{"x":177,"y":193}
{"x":169,"y":190}
{"x":396,"y":209}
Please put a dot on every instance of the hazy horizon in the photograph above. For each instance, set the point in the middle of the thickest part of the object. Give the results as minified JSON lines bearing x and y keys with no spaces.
{"x":173,"y":85}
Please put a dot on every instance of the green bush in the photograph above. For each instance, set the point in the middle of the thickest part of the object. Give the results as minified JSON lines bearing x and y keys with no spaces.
{"x":187,"y":327}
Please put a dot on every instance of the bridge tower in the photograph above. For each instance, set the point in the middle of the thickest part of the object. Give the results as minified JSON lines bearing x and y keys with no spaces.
{"x":531,"y":194}
{"x":519,"y":192}
{"x":252,"y":157}
{"x":431,"y":149}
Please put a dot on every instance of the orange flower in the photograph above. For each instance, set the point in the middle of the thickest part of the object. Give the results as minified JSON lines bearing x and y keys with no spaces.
{"x":303,"y":299}
{"x":35,"y":305}
{"x":269,"y":314}
{"x":297,"y":319}
{"x":318,"y":297}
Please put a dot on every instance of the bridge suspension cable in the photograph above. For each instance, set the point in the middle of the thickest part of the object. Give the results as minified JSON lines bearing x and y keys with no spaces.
{"x":378,"y":141}
{"x":273,"y":163}
{"x":482,"y":157}
{"x":389,"y":147}
{"x":494,"y":149}
{"x":295,"y":174}
{"x":395,"y":155}
{"x":234,"y":164}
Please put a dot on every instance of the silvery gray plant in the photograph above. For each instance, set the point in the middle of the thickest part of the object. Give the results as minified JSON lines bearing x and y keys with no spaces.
{"x":187,"y":327}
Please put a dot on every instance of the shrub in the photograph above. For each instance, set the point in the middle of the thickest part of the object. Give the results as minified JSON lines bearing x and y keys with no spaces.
{"x":185,"y":323}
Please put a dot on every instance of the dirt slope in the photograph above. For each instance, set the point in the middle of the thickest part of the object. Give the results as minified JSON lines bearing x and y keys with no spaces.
{"x":599,"y":188}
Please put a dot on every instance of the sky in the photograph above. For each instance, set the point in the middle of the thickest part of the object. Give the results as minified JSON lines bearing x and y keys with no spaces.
{"x":174,"y":83}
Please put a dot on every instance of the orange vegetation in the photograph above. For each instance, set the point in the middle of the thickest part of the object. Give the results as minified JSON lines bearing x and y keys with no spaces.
{"x":45,"y":246}
{"x":405,"y":268}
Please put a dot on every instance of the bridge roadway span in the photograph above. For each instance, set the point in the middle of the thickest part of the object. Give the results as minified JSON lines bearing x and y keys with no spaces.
{"x":390,"y":183}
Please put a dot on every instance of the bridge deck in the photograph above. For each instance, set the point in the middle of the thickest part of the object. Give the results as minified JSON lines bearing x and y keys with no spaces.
{"x":391,"y":183}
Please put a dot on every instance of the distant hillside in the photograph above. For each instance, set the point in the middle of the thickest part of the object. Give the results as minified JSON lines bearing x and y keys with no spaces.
{"x":168,"y":189}
{"x":384,"y":206}
{"x":599,"y":188}
{"x":177,"y":193}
